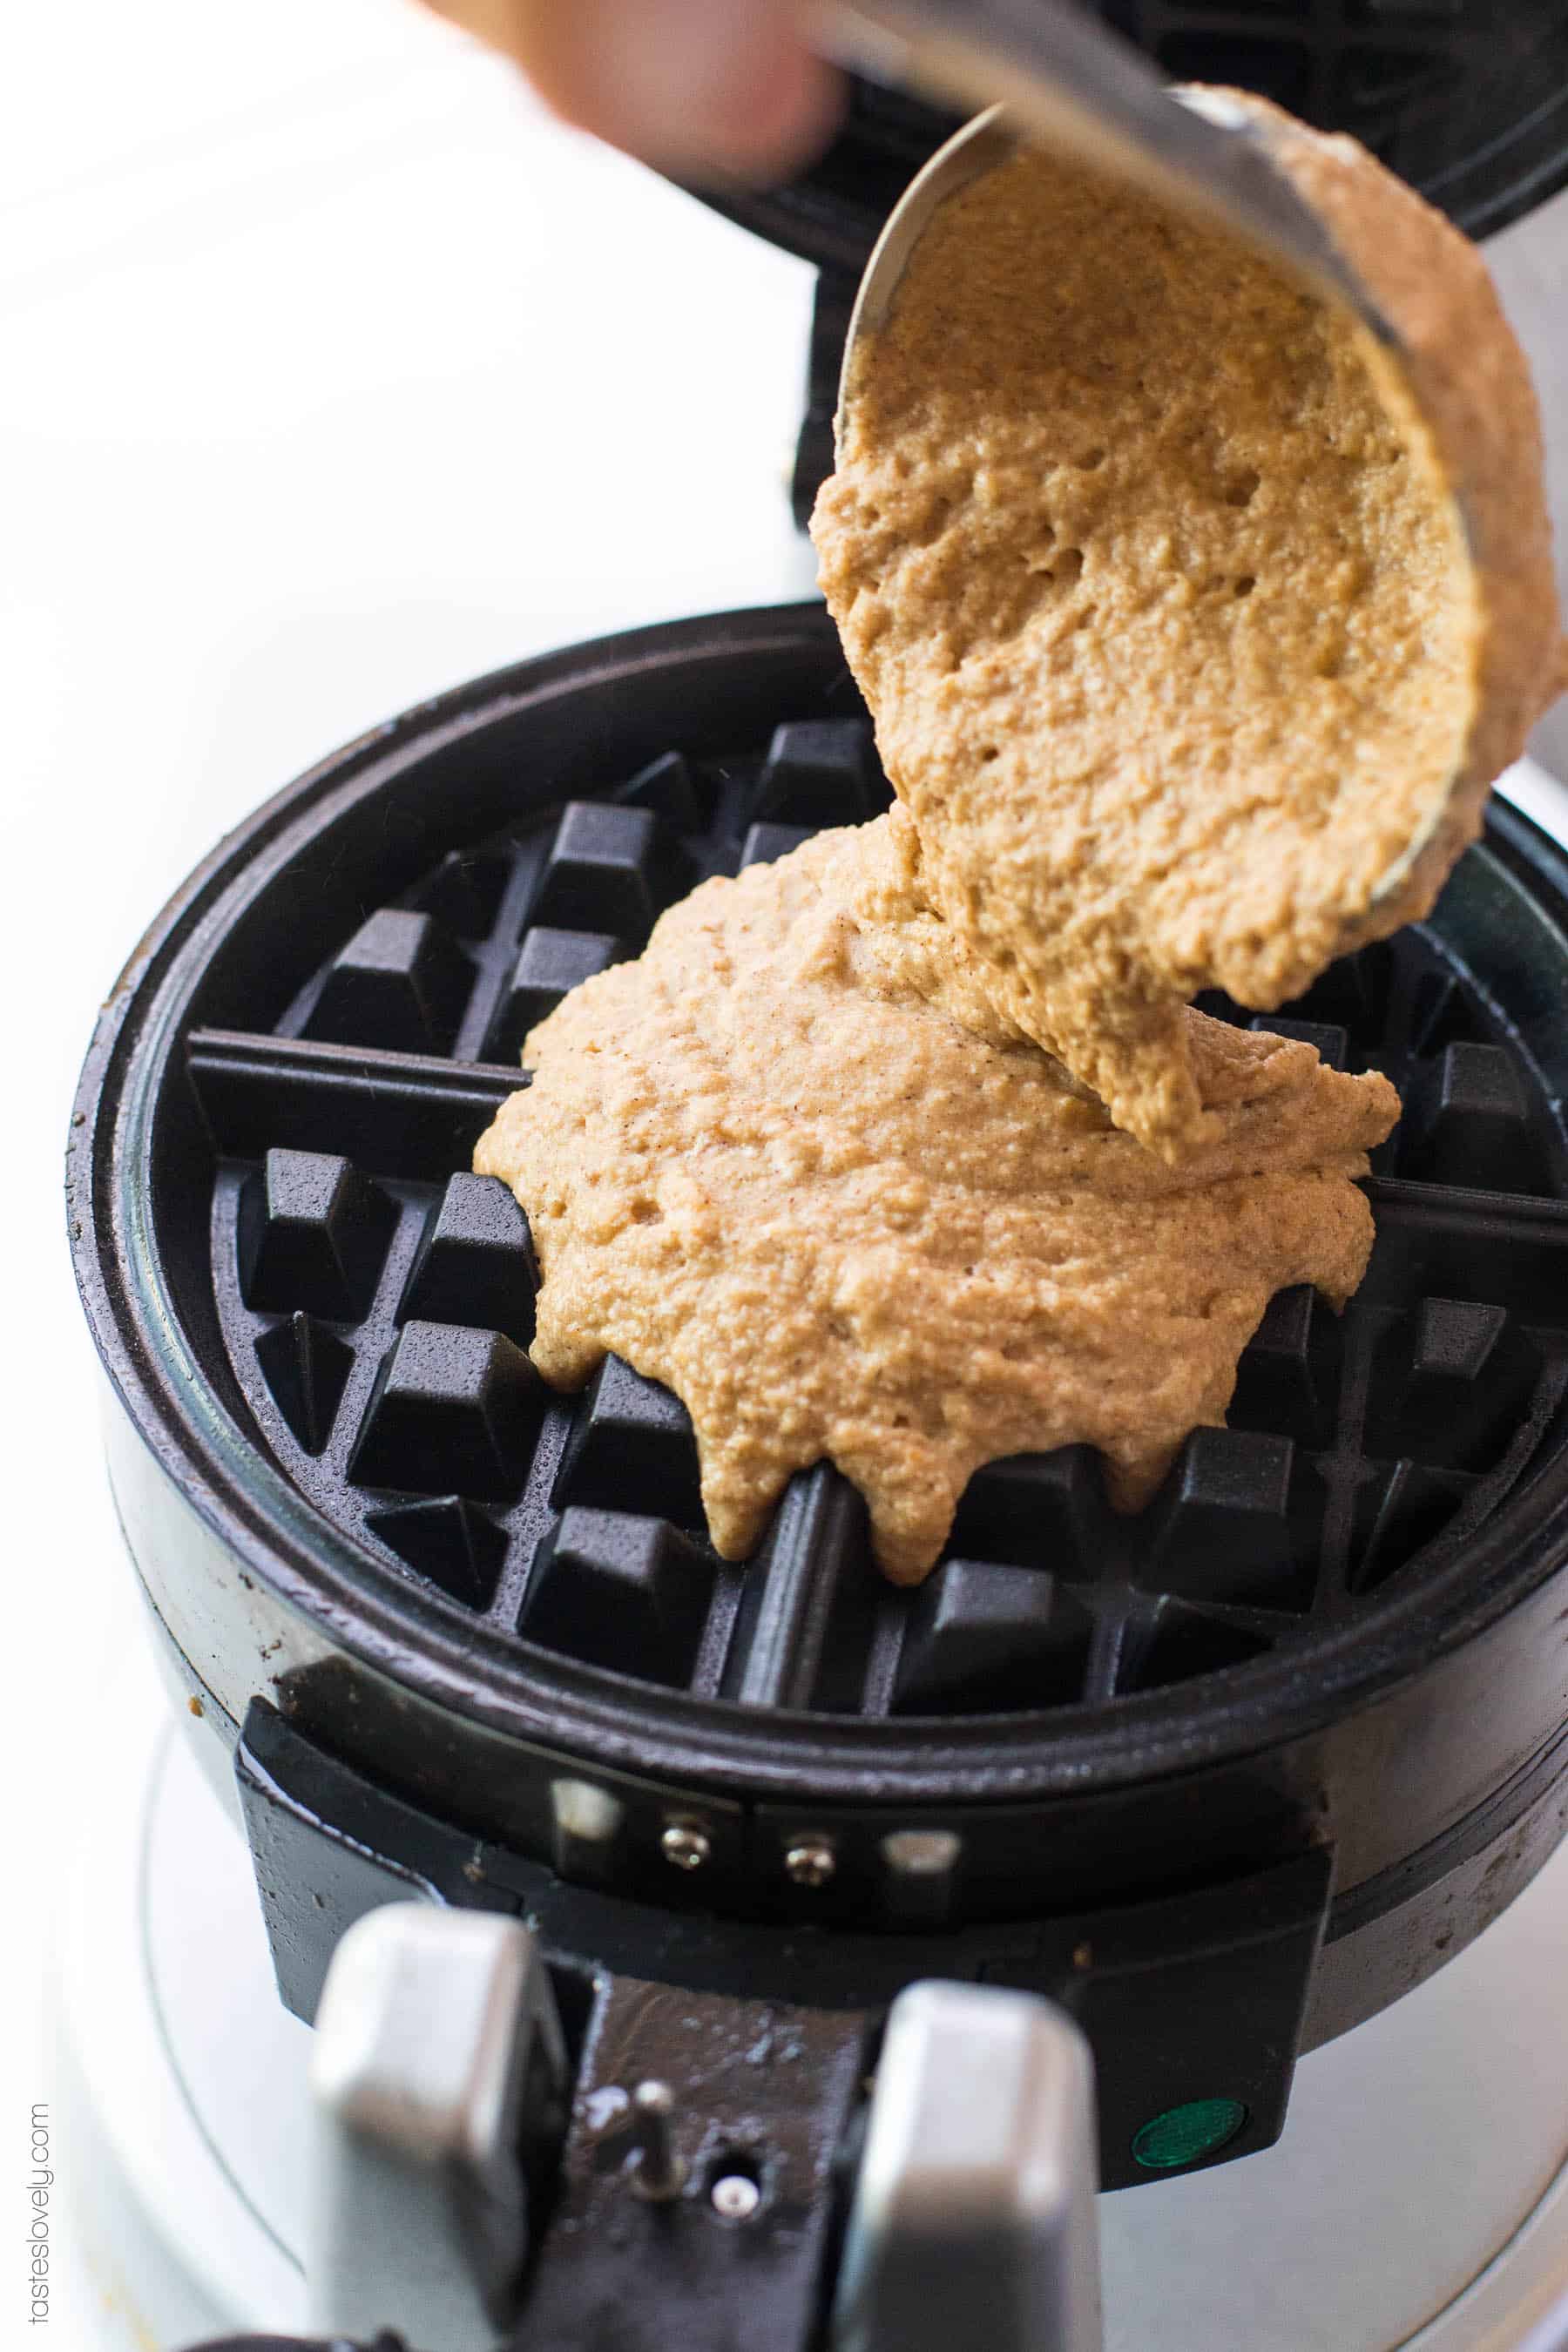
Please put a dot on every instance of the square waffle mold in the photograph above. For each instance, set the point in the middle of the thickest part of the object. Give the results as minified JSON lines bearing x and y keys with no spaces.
{"x":374,"y":1300}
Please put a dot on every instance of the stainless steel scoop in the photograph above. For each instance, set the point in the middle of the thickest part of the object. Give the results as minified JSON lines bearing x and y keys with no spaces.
{"x":1049,"y":72}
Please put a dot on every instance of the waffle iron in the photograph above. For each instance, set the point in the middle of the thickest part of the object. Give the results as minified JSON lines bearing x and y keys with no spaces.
{"x":1221,"y":1781}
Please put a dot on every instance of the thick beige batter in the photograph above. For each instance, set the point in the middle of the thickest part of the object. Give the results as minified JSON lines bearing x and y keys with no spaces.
{"x":1185,"y":671}
{"x":837,"y":1223}
{"x":1154,"y":578}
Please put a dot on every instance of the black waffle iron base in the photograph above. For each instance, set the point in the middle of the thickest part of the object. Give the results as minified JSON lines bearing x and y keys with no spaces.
{"x":1223,"y":1780}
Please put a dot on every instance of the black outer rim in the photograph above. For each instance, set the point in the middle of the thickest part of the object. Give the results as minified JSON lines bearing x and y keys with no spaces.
{"x":831,"y":212}
{"x":816,"y":223}
{"x":361,"y":1608}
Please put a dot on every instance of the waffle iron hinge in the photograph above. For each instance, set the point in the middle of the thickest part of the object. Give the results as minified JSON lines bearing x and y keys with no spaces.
{"x":1191,"y":2001}
{"x":439,"y":2083}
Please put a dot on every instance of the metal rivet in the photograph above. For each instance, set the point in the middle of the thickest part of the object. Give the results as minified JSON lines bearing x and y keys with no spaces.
{"x":584,"y":1812}
{"x":734,"y":2197}
{"x":811,"y":1861}
{"x":686,"y":1845}
{"x":921,"y":1853}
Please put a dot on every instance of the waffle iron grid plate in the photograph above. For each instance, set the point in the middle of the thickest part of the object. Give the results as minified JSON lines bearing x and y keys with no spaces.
{"x":374,"y":1301}
{"x":351,"y":1498}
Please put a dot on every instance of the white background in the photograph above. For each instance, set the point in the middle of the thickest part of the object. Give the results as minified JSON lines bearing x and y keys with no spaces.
{"x":330,"y":374}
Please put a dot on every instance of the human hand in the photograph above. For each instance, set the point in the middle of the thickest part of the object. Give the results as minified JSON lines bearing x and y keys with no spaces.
{"x":704,"y":88}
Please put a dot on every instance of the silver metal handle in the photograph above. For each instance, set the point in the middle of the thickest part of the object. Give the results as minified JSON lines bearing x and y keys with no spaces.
{"x":438,"y":2065}
{"x":1069,"y":81}
{"x":974,"y":2219}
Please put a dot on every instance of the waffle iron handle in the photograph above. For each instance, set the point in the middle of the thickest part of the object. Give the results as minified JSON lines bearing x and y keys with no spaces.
{"x":974,"y":2219}
{"x":439,"y":2078}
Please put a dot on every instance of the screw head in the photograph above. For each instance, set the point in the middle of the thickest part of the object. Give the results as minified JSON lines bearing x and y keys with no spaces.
{"x":685,"y":1845}
{"x":734,"y":2197}
{"x":811,"y":1861}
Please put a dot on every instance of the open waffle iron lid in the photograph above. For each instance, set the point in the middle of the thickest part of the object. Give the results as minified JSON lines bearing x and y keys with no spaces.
{"x":316,"y":1318}
{"x":1464,"y":98}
